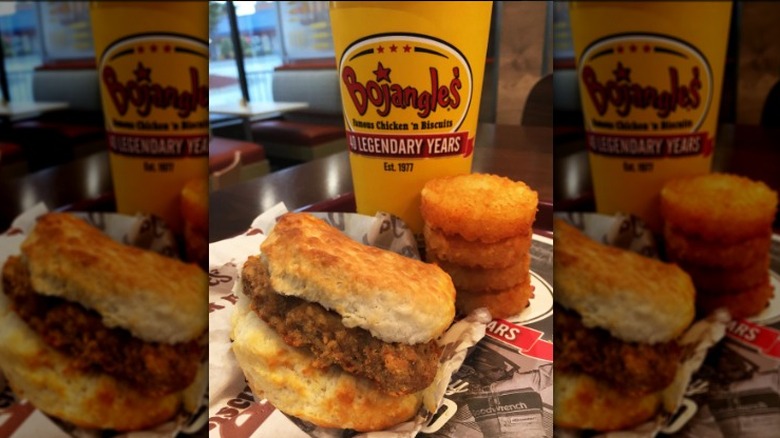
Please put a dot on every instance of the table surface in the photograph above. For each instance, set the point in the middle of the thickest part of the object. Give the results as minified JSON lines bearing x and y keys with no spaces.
{"x":256,"y":109}
{"x":78,"y":181}
{"x":521,"y":153}
{"x":18,"y":109}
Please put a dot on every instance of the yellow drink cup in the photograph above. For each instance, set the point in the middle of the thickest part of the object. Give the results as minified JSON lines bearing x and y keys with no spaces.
{"x":152,"y":60}
{"x":650,"y":77}
{"x":411,"y":80}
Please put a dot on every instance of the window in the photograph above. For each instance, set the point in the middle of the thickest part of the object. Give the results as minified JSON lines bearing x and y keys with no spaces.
{"x":260,"y":45}
{"x":33,"y":33}
{"x":19,"y":35}
{"x":271,"y":33}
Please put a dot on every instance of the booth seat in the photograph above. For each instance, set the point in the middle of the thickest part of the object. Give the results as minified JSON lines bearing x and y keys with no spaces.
{"x":59,"y":136}
{"x":307,"y":134}
{"x":12,"y":161}
{"x":231,"y":161}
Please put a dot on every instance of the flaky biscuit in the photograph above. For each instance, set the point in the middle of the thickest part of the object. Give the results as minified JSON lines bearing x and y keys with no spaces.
{"x":635,"y":298}
{"x":502,"y":303}
{"x":396,"y":298}
{"x":156,"y":298}
{"x":476,"y":254}
{"x":482,"y":207}
{"x":53,"y":383}
{"x":582,"y":402}
{"x":683,"y":248}
{"x":741,"y":304}
{"x":485,"y":280}
{"x":719,"y":206}
{"x":289,"y":378}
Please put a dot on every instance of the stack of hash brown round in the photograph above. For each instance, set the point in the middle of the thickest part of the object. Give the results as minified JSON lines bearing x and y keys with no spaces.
{"x":478,"y":229}
{"x":718,"y":228}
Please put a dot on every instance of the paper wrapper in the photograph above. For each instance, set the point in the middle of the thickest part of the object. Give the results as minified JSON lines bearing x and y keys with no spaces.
{"x":233,"y":411}
{"x":630,"y":233}
{"x":19,"y":416}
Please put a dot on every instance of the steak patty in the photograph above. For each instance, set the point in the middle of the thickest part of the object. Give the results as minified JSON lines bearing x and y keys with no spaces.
{"x":396,"y":368}
{"x":152,"y":368}
{"x":630,"y":367}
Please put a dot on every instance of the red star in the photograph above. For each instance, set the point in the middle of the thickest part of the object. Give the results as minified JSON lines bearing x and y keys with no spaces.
{"x":142,"y":73}
{"x":620,"y":49}
{"x":380,"y":49}
{"x":140,"y":49}
{"x":647,"y":48}
{"x":167,"y":49}
{"x":633,"y":48}
{"x":393,"y":48}
{"x":382,"y":73}
{"x":407,"y":48}
{"x":622,"y":73}
{"x":153,"y":48}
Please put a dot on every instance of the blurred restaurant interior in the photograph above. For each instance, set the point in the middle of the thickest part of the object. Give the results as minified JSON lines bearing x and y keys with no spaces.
{"x":53,"y":147}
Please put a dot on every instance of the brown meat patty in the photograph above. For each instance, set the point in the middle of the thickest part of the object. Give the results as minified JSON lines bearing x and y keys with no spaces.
{"x":630,"y":367}
{"x":396,"y":368}
{"x":152,"y":368}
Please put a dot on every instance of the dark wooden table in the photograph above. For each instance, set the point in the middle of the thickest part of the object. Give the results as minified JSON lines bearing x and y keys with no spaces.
{"x":521,"y":153}
{"x":747,"y":150}
{"x":81,"y":181}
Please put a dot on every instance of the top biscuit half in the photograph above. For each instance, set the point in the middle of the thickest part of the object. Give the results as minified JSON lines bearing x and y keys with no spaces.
{"x":156,"y":298}
{"x":483,"y":207}
{"x":718,"y":206}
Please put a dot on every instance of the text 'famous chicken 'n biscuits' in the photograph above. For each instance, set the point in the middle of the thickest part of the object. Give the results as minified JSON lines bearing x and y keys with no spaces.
{"x":478,"y":228}
{"x":337,"y":333}
{"x":100,"y":334}
{"x":618,"y":318}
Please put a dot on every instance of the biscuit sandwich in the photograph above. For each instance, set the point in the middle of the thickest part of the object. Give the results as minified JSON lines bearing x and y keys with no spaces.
{"x":100,"y":334}
{"x":618,"y":317}
{"x":337,"y":333}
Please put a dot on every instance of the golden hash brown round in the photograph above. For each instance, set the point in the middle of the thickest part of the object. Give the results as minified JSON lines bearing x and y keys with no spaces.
{"x":195,"y":212}
{"x":479,"y":206}
{"x":476,"y":254}
{"x":581,"y":402}
{"x":195,"y":203}
{"x":485,"y":280}
{"x":719,"y":206}
{"x":720,"y":280}
{"x":502,"y":304}
{"x":742,"y":304}
{"x":690,"y":249}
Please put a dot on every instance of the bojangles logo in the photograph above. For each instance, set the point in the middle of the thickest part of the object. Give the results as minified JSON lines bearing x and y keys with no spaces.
{"x":155,"y":82}
{"x":143,"y":94}
{"x":624,"y":95}
{"x":405,"y":83}
{"x":385,"y":96}
{"x":646,"y":82}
